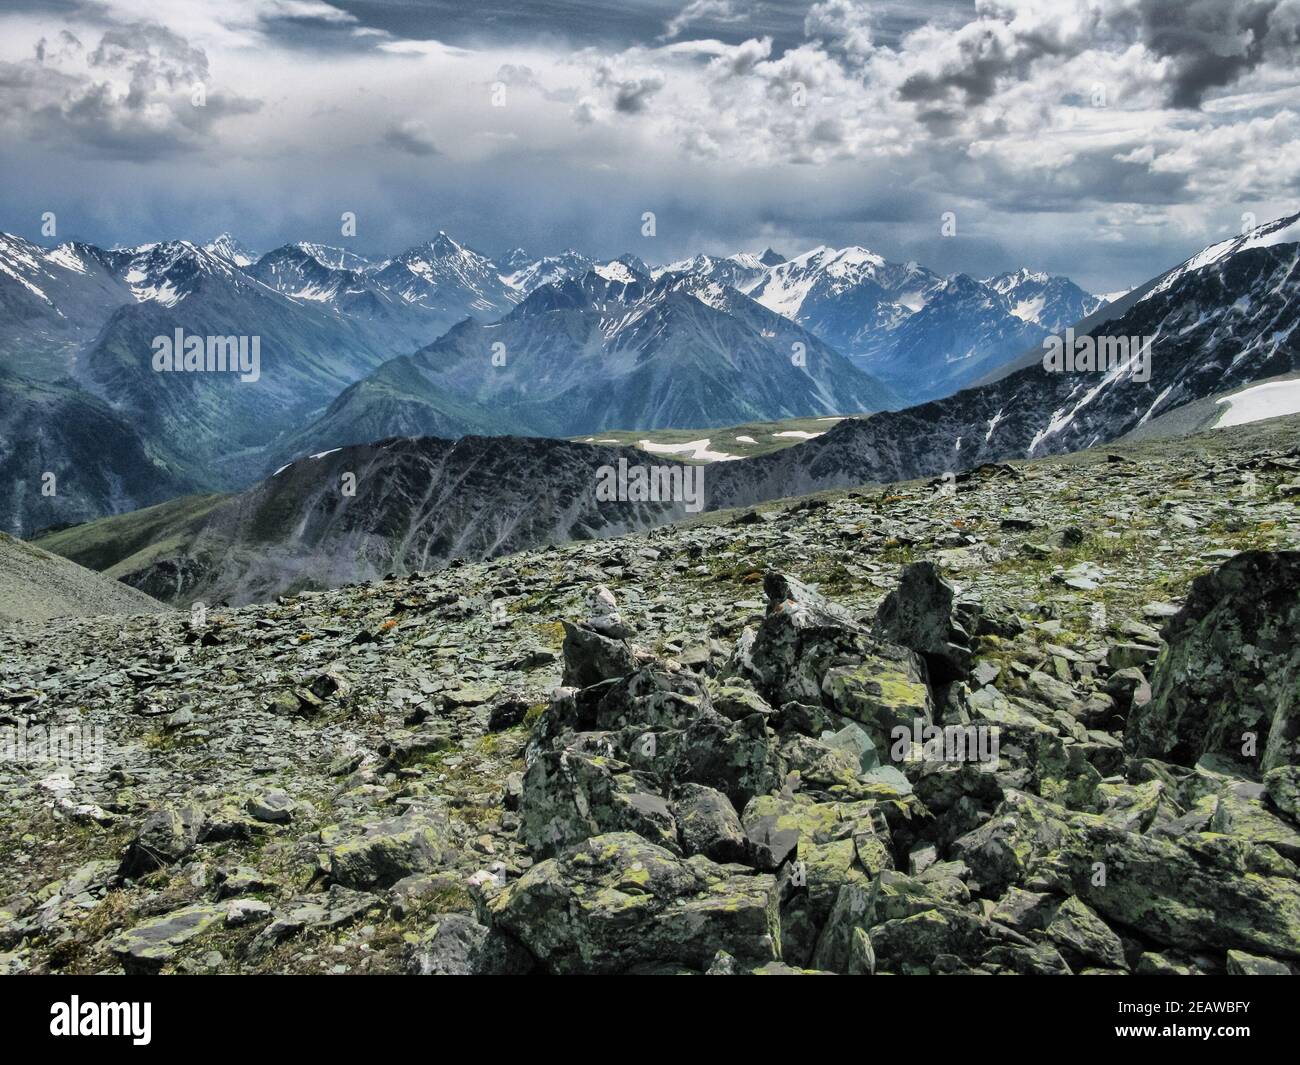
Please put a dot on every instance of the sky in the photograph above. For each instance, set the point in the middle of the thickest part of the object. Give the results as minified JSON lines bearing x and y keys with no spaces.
{"x":1101,"y":139}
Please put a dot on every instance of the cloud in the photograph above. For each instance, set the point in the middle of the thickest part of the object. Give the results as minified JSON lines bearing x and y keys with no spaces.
{"x":410,"y":136}
{"x":841,"y":26}
{"x":702,"y":10}
{"x":142,"y":92}
{"x":862,"y":130}
{"x":1212,"y":43}
{"x":630,"y":92}
{"x":1208,"y":44}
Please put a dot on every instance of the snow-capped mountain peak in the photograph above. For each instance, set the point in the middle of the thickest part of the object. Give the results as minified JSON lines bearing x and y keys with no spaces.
{"x":615,"y":270}
{"x":526,"y":273}
{"x":445,"y":275}
{"x":1279,"y":231}
{"x":227,"y":247}
{"x":332,"y":257}
{"x":1038,"y":297}
{"x":167,"y":272}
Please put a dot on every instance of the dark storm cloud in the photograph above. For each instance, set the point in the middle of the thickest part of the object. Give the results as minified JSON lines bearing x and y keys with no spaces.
{"x":613,"y":23}
{"x":1212,"y":43}
{"x":410,"y":137}
{"x":988,"y":55}
{"x":631,"y":96}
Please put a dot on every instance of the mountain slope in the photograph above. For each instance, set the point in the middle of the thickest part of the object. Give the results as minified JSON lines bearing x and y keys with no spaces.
{"x":52,"y":302}
{"x":36,"y":585}
{"x":419,"y":504}
{"x":964,"y":330}
{"x":590,"y":353}
{"x":445,"y":708}
{"x":99,"y":461}
{"x":1215,"y":328}
{"x":208,"y":424}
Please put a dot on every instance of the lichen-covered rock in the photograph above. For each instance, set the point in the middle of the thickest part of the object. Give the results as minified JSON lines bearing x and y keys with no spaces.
{"x":1282,"y":785}
{"x":1229,"y":680}
{"x":707,"y":824}
{"x":736,"y":757}
{"x":616,"y":902}
{"x":457,"y":945}
{"x":1240,"y":963}
{"x":386,"y":851}
{"x":590,"y":657}
{"x":843,"y":944}
{"x":151,"y":944}
{"x":912,"y":944}
{"x":569,"y":795}
{"x":1239,"y":811}
{"x":883,"y":692}
{"x":776,"y":823}
{"x":923,"y":614}
{"x":801,"y":637}
{"x":166,"y":835}
{"x":822,"y":846}
{"x":652,"y":697}
{"x":339,"y":906}
{"x":1001,"y":851}
{"x":736,"y":700}
{"x":1213,"y":891}
{"x":1077,"y":931}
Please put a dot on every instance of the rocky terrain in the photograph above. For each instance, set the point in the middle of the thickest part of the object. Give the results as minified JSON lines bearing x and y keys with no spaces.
{"x":679,"y":751}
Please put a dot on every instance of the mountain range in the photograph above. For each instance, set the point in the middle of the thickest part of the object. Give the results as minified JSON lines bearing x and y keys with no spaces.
{"x":442,"y":339}
{"x":1224,"y":319}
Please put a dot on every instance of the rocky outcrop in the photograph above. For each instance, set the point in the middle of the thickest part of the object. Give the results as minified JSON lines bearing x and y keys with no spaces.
{"x":1228,"y":682}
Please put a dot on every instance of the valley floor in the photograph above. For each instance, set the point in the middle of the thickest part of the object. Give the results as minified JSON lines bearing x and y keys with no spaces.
{"x":314,"y":785}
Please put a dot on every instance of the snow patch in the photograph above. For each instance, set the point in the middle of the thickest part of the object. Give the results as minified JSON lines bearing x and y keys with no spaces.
{"x":1258,"y":402}
{"x":694,"y":449}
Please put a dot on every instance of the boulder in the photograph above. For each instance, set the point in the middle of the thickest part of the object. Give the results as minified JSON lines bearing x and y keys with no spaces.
{"x":1079,"y":933}
{"x":801,"y":637}
{"x":590,"y":657}
{"x":885,"y":691}
{"x":924,"y":615}
{"x":386,"y":851}
{"x":337,"y":907}
{"x":615,"y":903}
{"x":707,"y":824}
{"x":1242,"y":964}
{"x":166,"y":835}
{"x":1282,"y":785}
{"x":1213,"y":891}
{"x":1228,"y":681}
{"x":153,"y":943}
{"x":569,"y":795}
{"x":457,"y":945}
